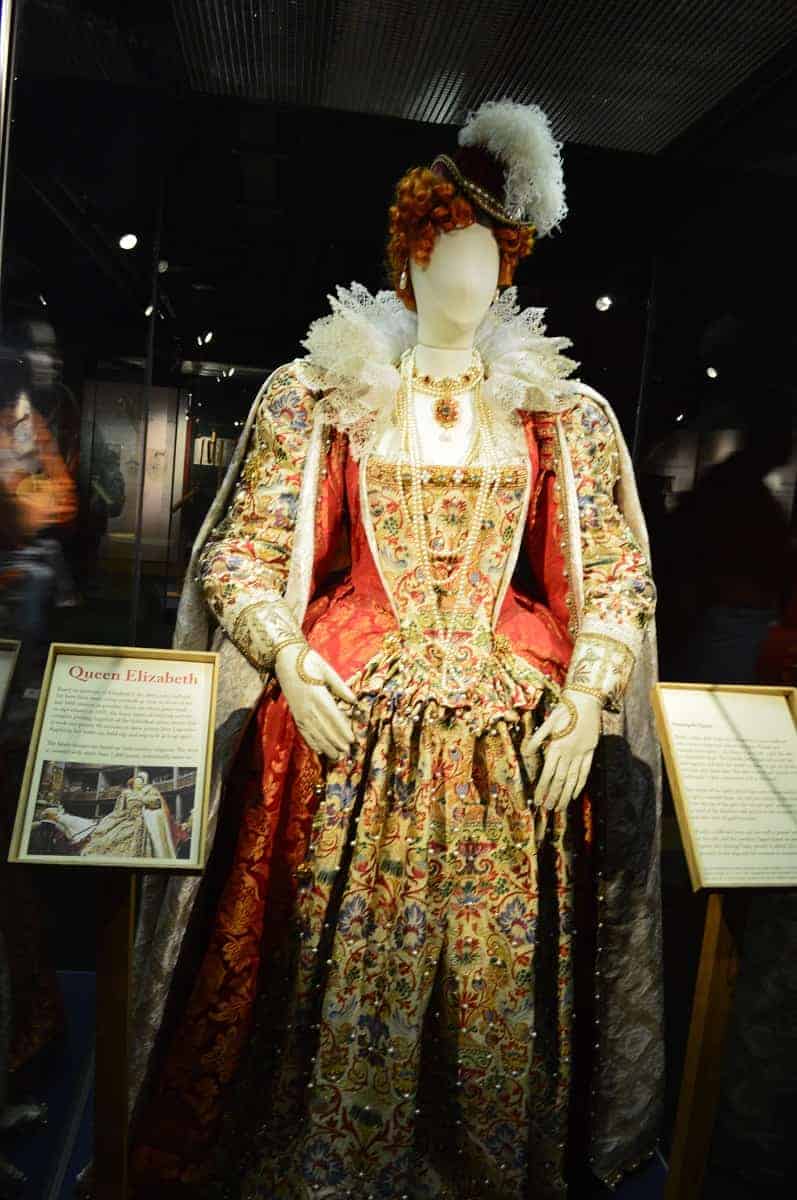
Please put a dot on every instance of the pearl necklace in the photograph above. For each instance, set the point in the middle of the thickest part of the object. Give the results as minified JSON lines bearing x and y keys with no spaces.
{"x":414,"y":511}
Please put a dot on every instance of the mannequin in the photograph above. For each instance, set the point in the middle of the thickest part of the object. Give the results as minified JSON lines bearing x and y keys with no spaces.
{"x":427,"y":567}
{"x":452,"y":295}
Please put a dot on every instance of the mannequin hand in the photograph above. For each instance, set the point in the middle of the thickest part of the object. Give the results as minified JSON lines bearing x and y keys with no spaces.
{"x":319,"y":720}
{"x":567,"y":759}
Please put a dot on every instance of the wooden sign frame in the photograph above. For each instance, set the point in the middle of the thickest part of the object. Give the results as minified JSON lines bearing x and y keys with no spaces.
{"x":675,"y":776}
{"x":26,"y":804}
{"x":10,"y":646}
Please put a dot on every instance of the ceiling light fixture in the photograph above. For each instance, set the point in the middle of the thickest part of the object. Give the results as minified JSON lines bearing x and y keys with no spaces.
{"x":128,"y":241}
{"x":604,"y":303}
{"x":712,"y":372}
{"x":148,"y":311}
{"x":680,"y":417}
{"x":208,"y":338}
{"x":42,"y":300}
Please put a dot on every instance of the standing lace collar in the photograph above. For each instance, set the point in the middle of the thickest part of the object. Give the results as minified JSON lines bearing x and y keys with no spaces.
{"x":353,"y":357}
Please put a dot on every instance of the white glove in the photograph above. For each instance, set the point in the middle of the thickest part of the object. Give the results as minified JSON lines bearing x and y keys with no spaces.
{"x":318,"y":718}
{"x":567,"y":759}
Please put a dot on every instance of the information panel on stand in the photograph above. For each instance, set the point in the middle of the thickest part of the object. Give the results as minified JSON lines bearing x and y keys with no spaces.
{"x":118,"y":771}
{"x":731,"y":757}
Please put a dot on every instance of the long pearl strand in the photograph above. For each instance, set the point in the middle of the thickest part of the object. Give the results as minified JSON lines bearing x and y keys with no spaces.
{"x":415,"y":511}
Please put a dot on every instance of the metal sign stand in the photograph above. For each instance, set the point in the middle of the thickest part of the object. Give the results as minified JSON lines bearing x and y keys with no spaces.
{"x":115,"y":921}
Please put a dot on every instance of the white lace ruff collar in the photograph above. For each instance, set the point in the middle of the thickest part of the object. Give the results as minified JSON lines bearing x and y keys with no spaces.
{"x":354,"y":353}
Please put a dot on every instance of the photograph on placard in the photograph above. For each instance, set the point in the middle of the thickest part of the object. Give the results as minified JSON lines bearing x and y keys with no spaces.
{"x":96,"y":810}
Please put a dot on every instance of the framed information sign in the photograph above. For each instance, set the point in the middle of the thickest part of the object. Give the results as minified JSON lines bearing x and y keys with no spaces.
{"x":731,"y":757}
{"x":118,"y":770}
{"x":9,"y":653}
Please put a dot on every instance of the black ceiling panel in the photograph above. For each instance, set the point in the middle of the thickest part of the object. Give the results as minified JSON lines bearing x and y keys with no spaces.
{"x":622,"y":74}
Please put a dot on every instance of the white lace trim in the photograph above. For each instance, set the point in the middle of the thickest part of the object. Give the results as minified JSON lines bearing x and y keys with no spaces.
{"x":356,"y":349}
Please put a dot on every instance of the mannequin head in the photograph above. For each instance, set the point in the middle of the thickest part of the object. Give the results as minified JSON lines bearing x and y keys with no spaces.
{"x":428,"y":205}
{"x":456,"y":286}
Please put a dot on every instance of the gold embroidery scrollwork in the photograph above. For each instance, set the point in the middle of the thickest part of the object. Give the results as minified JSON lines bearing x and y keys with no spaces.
{"x":601,"y":666}
{"x":259,"y":629}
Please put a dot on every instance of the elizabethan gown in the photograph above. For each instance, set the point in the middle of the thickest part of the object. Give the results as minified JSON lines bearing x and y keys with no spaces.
{"x":397,"y":979}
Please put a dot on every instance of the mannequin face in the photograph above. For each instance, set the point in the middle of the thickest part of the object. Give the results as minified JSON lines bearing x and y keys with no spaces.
{"x":458,"y":285}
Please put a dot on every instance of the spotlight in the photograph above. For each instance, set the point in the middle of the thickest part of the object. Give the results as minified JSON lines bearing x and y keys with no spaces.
{"x":712,"y":372}
{"x":128,"y":241}
{"x":199,"y":341}
{"x":148,"y":311}
{"x":208,"y":338}
{"x":231,"y":372}
{"x":42,"y":300}
{"x":163,"y":266}
{"x":680,"y":417}
{"x":604,"y":303}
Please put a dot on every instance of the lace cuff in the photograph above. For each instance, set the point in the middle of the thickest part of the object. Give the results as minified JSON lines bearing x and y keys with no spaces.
{"x":600,"y":666}
{"x":261,"y":627}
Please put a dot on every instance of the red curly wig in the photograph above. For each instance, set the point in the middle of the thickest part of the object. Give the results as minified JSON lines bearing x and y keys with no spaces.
{"x":427,"y":204}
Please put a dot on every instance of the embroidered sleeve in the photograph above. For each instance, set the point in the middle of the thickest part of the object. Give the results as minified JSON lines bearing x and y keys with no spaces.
{"x":619,"y":595}
{"x":244,"y":564}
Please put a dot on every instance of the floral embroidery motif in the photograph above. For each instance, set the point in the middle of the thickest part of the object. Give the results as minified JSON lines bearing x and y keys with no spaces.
{"x":247,"y":556}
{"x":619,"y":595}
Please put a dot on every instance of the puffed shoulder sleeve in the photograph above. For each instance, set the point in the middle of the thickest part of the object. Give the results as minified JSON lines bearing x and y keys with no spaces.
{"x":243,"y":567}
{"x":619,"y":595}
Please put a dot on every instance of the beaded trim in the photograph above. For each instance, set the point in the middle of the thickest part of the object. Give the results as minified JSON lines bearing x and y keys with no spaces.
{"x":571,"y":722}
{"x":587,"y":691}
{"x":480,"y":196}
{"x":383,"y":470}
{"x":314,"y":680}
{"x":290,"y":640}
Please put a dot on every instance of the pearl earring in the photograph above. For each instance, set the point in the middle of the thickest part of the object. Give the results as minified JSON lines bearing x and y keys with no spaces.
{"x":403,"y":279}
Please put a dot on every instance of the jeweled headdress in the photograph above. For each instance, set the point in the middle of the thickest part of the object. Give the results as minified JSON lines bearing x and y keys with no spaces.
{"x":509,"y":164}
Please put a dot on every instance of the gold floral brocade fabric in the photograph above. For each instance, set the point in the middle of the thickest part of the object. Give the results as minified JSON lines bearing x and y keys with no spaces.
{"x":415,"y":1045}
{"x":385,"y":1006}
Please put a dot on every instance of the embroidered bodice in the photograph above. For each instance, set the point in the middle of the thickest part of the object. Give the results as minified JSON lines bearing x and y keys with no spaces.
{"x":482,"y":672}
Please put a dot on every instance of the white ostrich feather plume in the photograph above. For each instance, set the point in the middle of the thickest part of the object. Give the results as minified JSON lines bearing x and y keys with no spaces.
{"x":357,"y":349}
{"x":520,"y":136}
